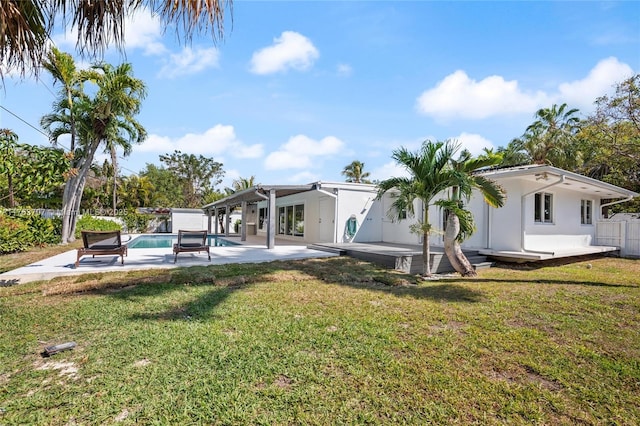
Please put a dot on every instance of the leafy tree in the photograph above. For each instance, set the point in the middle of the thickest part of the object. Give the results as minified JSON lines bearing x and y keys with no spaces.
{"x":135,"y":191}
{"x":32,"y":173}
{"x":610,"y":139}
{"x":548,"y":140}
{"x":104,"y":119}
{"x":26,"y":25}
{"x":167,"y":188}
{"x":198,"y":175}
{"x":460,"y":224}
{"x":355,"y":172}
{"x":238,"y":185}
{"x":430,"y":173}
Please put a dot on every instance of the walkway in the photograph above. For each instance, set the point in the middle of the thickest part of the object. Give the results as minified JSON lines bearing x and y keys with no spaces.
{"x":156,"y":258}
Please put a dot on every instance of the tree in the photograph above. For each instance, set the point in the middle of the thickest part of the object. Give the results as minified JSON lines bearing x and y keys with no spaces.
{"x":430,"y":173}
{"x":167,"y":188}
{"x":198,"y":176}
{"x":135,"y":191}
{"x":550,"y":139}
{"x":355,"y":172}
{"x":32,"y":173}
{"x":610,"y":139}
{"x":106,"y":118}
{"x":26,"y":25}
{"x":460,"y":224}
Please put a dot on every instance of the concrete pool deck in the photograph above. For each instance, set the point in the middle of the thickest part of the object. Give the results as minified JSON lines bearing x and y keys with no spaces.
{"x":155,"y":258}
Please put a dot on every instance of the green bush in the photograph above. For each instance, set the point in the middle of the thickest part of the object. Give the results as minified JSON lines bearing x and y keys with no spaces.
{"x":134,"y":221}
{"x":90,"y":223}
{"x":22,"y":229}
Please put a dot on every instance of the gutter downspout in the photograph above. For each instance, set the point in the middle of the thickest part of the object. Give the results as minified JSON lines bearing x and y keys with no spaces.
{"x":335,"y":213}
{"x":629,"y":198}
{"x":522,"y":213}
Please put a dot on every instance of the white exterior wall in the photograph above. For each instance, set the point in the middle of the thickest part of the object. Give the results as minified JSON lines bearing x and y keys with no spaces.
{"x":320,"y":213}
{"x":505,"y":223}
{"x":195,"y":220}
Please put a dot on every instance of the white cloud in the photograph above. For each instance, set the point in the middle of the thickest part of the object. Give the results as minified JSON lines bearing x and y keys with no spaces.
{"x":600,"y":80}
{"x":474,"y":143}
{"x":290,"y":51}
{"x":388,"y":170}
{"x":458,"y":96}
{"x":190,"y":62}
{"x":303,"y":178}
{"x":219,"y":140}
{"x":344,"y":70}
{"x":300,"y":152}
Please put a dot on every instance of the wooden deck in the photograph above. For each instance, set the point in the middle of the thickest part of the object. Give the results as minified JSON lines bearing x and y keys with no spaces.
{"x":401,"y":257}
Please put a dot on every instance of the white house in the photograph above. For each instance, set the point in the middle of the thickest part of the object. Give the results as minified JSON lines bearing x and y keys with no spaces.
{"x":549,"y":212}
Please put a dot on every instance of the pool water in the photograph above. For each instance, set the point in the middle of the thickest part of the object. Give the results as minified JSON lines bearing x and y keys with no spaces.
{"x":167,"y":241}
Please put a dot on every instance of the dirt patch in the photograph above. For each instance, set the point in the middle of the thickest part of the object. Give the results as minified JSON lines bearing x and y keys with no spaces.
{"x":525,"y":375}
{"x":64,"y":369}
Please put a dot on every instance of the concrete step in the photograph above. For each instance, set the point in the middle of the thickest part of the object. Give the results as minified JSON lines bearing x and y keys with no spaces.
{"x":328,"y":249}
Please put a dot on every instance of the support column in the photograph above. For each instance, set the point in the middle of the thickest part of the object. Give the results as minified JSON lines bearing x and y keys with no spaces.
{"x":243,"y":222}
{"x":227,"y":220}
{"x":271,"y":224}
{"x":208,"y":221}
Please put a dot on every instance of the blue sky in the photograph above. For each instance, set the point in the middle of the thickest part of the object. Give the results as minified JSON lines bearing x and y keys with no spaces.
{"x":297,"y":90}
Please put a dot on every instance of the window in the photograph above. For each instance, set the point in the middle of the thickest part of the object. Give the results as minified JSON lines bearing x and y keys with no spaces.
{"x":291,"y":220}
{"x":543,"y":207}
{"x":262,"y":218}
{"x":585,"y":212}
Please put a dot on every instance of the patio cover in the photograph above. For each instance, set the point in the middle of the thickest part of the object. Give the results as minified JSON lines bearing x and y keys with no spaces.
{"x":254,"y":194}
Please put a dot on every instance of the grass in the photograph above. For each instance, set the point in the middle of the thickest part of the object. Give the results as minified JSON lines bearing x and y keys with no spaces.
{"x":328,"y":341}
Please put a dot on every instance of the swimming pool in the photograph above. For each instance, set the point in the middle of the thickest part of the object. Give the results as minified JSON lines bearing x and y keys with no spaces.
{"x":167,"y":241}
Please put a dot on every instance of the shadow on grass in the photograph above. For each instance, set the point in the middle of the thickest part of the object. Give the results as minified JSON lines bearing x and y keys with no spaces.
{"x":229,"y":278}
{"x":543,"y":281}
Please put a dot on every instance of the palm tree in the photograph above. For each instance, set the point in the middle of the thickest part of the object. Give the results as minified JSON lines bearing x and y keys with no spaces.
{"x":430,"y":173}
{"x":107,"y":118}
{"x":355,"y":172}
{"x":26,"y":25}
{"x":460,"y":223}
{"x":549,"y":139}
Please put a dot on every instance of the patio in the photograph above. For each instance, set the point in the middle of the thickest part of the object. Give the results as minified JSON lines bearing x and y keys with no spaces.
{"x":251,"y":251}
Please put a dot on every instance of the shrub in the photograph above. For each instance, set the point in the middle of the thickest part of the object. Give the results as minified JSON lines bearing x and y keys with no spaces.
{"x":90,"y":223}
{"x":134,"y":221}
{"x":22,"y":229}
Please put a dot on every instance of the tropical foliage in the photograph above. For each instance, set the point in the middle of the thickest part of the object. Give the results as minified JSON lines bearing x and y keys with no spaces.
{"x":30,"y":175}
{"x":103,"y":117}
{"x":197,"y":175}
{"x":429,"y":174}
{"x":26,"y":25}
{"x":354,"y":172}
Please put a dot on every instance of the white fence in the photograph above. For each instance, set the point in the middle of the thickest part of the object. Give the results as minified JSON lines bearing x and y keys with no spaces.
{"x":623,"y":234}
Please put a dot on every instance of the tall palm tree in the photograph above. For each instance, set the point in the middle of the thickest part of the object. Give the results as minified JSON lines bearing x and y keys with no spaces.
{"x":549,"y":139}
{"x":355,"y":172}
{"x":460,"y":223}
{"x":106,"y":119}
{"x":26,"y":25}
{"x":430,"y":173}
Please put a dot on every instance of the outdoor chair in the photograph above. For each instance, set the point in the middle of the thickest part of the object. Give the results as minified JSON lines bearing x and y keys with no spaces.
{"x":102,"y":243}
{"x":191,"y":241}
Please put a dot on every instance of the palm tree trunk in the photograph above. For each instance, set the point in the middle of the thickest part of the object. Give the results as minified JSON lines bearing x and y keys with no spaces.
{"x":72,"y":196}
{"x":426,"y":249}
{"x":453,"y":250}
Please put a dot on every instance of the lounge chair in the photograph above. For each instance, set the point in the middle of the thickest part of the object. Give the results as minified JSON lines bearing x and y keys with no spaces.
{"x":102,"y":243}
{"x":191,"y":241}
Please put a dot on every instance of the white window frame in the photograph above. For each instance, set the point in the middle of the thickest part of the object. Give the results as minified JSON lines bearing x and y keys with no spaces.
{"x":540,"y":213}
{"x":586,"y":212}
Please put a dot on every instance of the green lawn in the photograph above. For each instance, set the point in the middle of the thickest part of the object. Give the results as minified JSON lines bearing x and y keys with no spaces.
{"x":330,"y":341}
